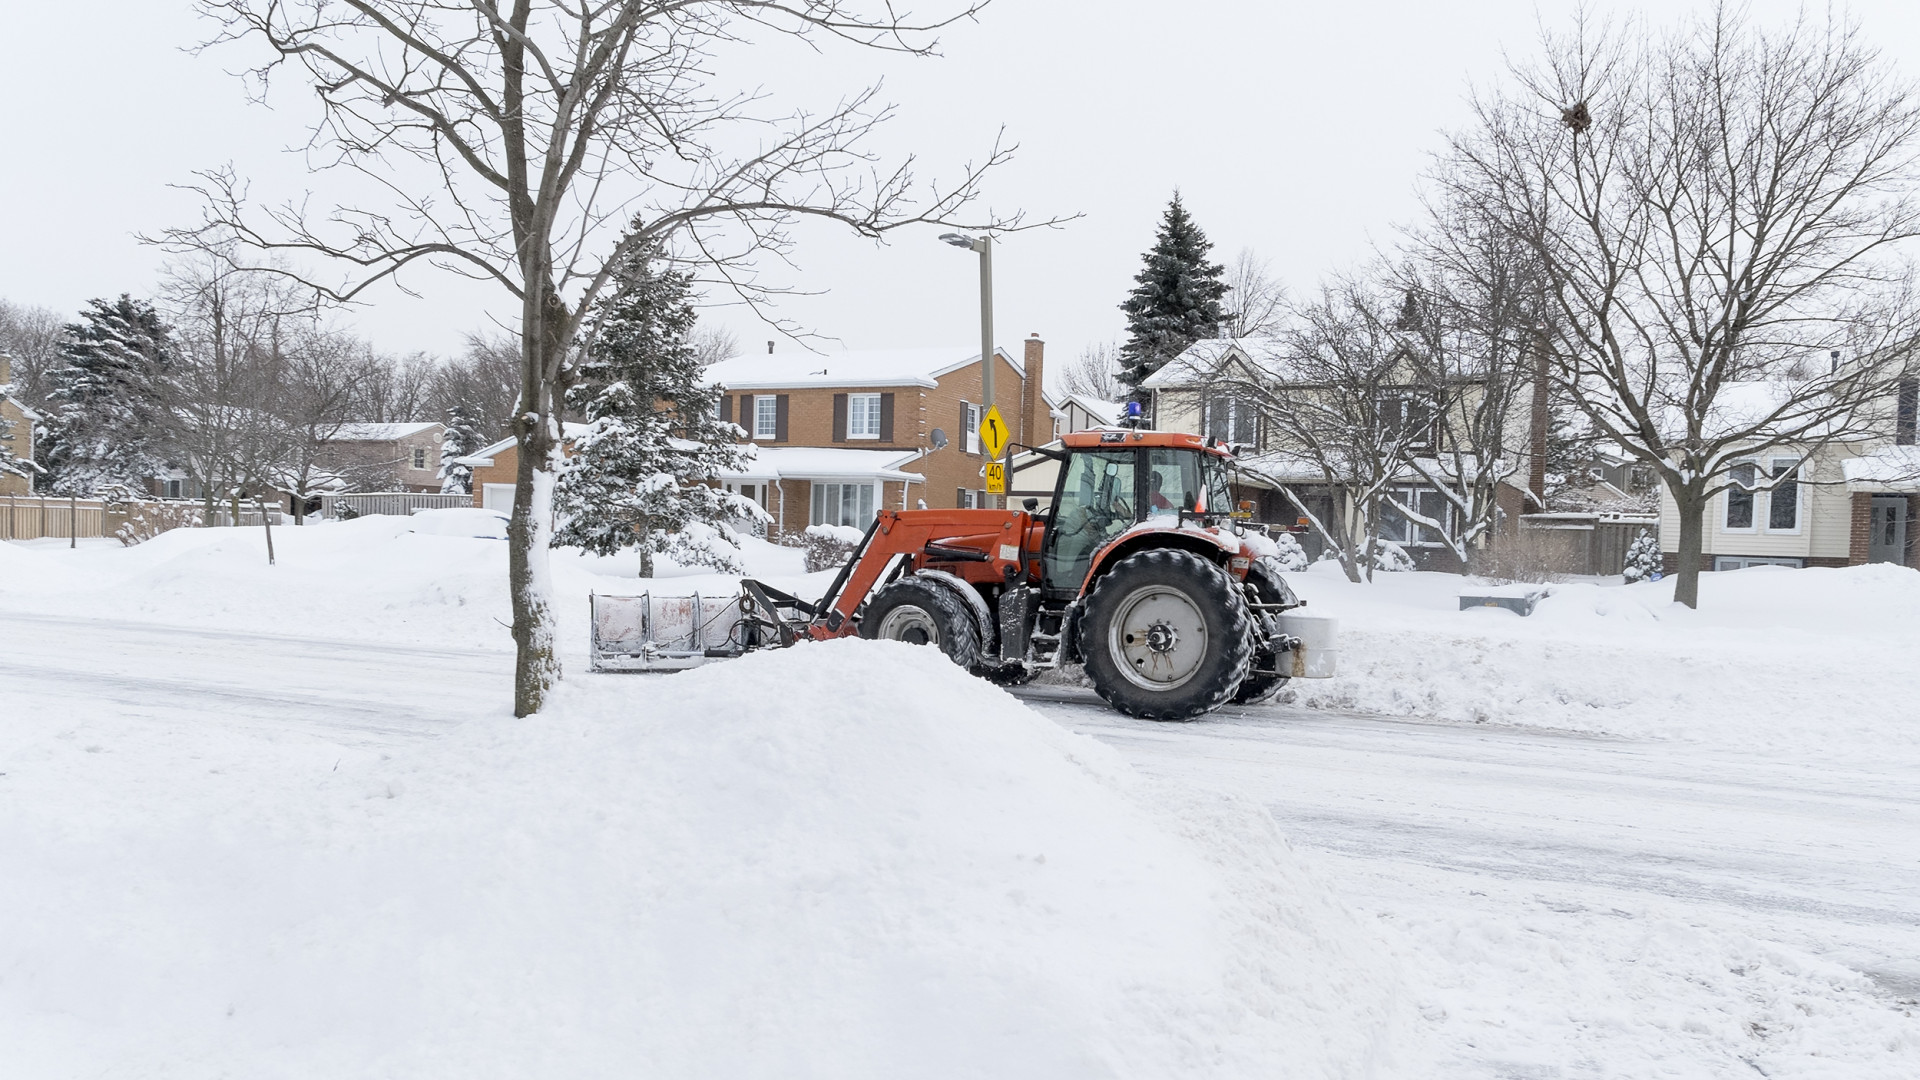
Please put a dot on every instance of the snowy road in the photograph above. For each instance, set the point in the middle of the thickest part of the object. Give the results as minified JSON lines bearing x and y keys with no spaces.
{"x":1570,"y":906}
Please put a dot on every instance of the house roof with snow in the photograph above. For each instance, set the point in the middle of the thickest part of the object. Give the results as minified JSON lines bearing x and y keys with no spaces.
{"x":483,"y":457}
{"x":1203,"y":360}
{"x":1889,"y":470}
{"x":827,"y":463}
{"x":873,"y":367}
{"x":359,"y":432}
{"x":1107,"y":412}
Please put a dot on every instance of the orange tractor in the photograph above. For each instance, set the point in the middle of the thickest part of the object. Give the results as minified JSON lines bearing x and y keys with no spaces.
{"x":1136,"y":570}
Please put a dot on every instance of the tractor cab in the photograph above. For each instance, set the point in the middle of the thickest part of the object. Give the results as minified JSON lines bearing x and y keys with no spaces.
{"x":1111,"y":481}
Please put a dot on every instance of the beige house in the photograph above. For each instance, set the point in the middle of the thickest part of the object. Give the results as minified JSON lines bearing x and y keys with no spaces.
{"x":16,"y":445}
{"x":1840,"y":504}
{"x":1197,"y":392}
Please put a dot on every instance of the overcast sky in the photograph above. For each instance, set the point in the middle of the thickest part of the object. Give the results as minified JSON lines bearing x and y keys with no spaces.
{"x":1295,"y":129}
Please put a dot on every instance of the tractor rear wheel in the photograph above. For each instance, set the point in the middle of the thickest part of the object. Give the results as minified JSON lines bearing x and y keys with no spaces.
{"x":1166,"y":635}
{"x":920,"y":611}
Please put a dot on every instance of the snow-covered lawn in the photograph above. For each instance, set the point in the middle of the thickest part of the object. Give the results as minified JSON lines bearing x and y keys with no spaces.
{"x":276,"y":821}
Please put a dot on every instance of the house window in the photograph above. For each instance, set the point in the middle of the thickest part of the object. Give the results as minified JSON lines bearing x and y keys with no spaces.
{"x":419,"y":457}
{"x":970,"y":499}
{"x":1400,"y":529}
{"x":863,"y":416}
{"x":1408,"y":415}
{"x":766,"y":416}
{"x":1230,"y":419}
{"x":1783,"y":501}
{"x":970,"y":416}
{"x":842,"y":504}
{"x":173,"y":489}
{"x":1740,"y":498}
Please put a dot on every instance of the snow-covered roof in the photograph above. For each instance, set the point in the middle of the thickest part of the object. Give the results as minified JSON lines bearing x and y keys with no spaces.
{"x":827,"y":463}
{"x":1202,"y":360}
{"x":1890,"y":469}
{"x":22,"y":406}
{"x":359,"y":432}
{"x":873,"y":367}
{"x":483,"y":457}
{"x":1107,"y":412}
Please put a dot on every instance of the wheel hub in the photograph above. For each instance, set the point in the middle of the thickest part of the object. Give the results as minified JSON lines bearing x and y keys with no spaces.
{"x":1159,"y":637}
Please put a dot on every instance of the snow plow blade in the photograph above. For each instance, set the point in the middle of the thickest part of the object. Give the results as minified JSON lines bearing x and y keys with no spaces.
{"x":673,"y":633}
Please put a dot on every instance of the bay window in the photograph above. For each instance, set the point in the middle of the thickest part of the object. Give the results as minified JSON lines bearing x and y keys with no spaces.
{"x":842,"y":504}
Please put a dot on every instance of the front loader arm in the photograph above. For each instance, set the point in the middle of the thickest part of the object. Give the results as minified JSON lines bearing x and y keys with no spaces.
{"x":986,"y":543}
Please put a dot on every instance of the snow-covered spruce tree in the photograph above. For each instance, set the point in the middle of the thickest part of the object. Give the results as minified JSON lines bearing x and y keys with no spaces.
{"x":1175,"y":299}
{"x":1643,"y":557}
{"x":462,"y":437}
{"x":105,"y":403}
{"x":641,"y":474}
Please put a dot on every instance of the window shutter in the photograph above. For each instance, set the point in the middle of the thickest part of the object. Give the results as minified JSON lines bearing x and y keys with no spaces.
{"x":960,"y":437}
{"x":960,"y":498}
{"x":726,"y":408}
{"x":746,"y":415}
{"x":839,"y":418}
{"x":780,"y":419}
{"x":886,"y":418}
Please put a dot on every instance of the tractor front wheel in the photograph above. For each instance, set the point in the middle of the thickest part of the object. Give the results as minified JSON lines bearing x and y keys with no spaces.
{"x":1166,"y":635}
{"x":924,"y":612}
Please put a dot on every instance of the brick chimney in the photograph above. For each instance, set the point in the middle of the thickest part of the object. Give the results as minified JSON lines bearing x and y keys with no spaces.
{"x":1036,"y":423}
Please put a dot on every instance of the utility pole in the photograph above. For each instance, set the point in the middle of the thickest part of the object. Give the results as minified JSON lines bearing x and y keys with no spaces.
{"x":983,"y":246}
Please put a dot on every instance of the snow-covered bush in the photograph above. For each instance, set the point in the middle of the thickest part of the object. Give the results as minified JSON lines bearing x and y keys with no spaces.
{"x":1391,"y":557}
{"x":144,"y":519}
{"x":830,"y":546}
{"x":1282,"y":548}
{"x":1643,"y":557}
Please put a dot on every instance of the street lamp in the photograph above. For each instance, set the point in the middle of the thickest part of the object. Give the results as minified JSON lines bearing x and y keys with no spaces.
{"x":983,"y":245}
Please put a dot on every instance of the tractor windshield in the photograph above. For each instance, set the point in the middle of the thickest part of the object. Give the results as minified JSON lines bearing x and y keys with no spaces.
{"x":1186,"y":480}
{"x":1095,"y":505}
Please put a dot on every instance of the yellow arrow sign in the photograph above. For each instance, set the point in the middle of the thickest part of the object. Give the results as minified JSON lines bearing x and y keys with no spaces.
{"x":994,"y":435}
{"x":996,"y":478}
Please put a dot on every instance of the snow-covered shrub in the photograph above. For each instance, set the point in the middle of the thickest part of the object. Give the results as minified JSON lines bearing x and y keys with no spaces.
{"x":144,"y":519}
{"x":830,"y":546}
{"x":1643,"y":557}
{"x":1282,"y":548}
{"x":1391,"y":557}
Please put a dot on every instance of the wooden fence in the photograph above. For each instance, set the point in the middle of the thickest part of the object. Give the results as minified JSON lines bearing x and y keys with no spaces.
{"x":1588,"y":543}
{"x":55,"y":517}
{"x":402,"y":503}
{"x":36,"y":517}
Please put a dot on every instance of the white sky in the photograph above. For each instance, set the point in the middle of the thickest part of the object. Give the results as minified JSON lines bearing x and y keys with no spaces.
{"x":1295,"y":129}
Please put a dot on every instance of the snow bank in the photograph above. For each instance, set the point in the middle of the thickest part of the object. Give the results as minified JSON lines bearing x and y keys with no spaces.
{"x":470,"y":521}
{"x":843,"y":860}
{"x":1815,"y":661}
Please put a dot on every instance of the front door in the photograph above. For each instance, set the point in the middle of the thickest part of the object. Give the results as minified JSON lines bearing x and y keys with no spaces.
{"x":1888,"y":540}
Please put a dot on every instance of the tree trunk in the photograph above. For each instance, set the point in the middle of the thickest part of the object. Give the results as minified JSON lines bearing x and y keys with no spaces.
{"x":643,"y":531}
{"x":1692,"y":509}
{"x":536,"y":425}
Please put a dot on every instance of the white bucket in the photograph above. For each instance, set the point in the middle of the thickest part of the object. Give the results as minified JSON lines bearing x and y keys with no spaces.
{"x":1318,"y":653}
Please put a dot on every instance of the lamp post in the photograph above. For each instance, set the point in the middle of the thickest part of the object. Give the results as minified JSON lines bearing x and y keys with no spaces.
{"x":983,"y":246}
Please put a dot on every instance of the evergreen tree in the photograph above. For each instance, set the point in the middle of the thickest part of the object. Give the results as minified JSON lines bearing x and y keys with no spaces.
{"x":1643,"y":558}
{"x":1175,"y":299}
{"x":462,"y":437}
{"x":640,"y":475}
{"x":106,"y":400}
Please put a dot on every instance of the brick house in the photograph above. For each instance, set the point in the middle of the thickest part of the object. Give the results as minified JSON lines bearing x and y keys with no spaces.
{"x":876,"y":411}
{"x":17,"y":421}
{"x":386,"y":457}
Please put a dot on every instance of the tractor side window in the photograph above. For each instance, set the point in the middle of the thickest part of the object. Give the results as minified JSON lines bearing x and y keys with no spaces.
{"x":1219,"y":489}
{"x":1174,"y":482}
{"x":1095,"y":505}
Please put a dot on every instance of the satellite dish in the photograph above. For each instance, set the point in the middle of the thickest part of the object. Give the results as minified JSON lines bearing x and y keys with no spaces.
{"x":938,"y":438}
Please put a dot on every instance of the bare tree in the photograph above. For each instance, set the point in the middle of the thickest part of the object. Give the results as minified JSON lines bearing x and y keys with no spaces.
{"x":1095,"y":373}
{"x":1256,"y":302}
{"x":1341,"y":412}
{"x":1716,"y":210}
{"x":30,"y":337}
{"x":395,"y":389}
{"x":515,"y":141}
{"x":712,"y":343}
{"x":483,"y":382}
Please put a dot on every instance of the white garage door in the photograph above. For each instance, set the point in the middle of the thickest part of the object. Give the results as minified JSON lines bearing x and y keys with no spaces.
{"x":497,"y":497}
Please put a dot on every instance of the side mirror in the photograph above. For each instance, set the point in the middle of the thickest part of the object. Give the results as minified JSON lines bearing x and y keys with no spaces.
{"x":1031,"y":504}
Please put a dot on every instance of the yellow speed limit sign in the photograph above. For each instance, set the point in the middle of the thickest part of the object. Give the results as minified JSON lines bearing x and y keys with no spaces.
{"x":996,"y":474}
{"x":994,"y":435}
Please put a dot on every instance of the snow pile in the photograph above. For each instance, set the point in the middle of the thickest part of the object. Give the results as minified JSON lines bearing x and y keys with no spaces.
{"x":1815,"y":661}
{"x":842,"y":860}
{"x":469,"y":521}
